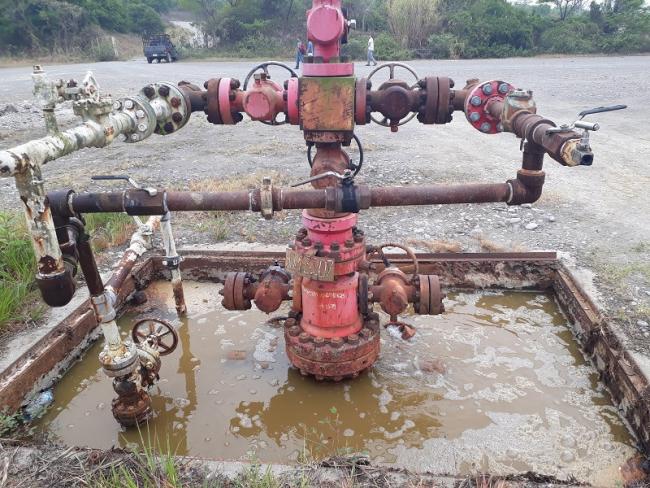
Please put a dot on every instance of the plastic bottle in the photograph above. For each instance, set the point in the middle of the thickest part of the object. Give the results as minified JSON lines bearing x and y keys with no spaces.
{"x":38,"y":405}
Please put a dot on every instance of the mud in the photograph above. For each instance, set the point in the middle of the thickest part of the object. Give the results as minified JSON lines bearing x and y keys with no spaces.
{"x":497,"y":384}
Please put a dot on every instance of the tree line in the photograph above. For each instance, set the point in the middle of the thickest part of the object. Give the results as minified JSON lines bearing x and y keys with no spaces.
{"x":436,"y":28}
{"x":402,"y":28}
{"x":65,"y":26}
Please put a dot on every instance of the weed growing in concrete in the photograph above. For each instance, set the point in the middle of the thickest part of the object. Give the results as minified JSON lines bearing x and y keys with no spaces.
{"x":254,"y":476}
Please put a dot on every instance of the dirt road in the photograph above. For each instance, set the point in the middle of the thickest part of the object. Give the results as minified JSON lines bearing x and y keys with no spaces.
{"x":598,"y":214}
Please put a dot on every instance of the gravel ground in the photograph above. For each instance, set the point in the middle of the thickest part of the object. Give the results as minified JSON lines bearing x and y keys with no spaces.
{"x":598,"y":214}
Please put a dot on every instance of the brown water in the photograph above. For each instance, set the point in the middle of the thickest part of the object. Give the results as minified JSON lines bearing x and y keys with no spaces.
{"x":496,"y":384}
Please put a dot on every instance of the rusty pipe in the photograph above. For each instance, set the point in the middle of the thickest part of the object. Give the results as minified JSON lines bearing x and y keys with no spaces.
{"x":332,"y":198}
{"x":140,"y":242}
{"x":561,"y":146}
{"x":439,"y":194}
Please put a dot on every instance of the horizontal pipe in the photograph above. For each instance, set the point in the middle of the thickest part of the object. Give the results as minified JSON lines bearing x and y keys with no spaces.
{"x":180,"y":201}
{"x":439,"y":194}
{"x":328,"y":199}
{"x":39,"y":151}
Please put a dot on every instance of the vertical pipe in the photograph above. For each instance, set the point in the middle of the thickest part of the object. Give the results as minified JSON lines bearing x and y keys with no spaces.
{"x":173,"y":263}
{"x":46,"y":95}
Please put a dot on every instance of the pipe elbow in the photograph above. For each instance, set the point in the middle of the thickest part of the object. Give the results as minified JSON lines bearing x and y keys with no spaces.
{"x":527,"y":187}
{"x":57,"y":289}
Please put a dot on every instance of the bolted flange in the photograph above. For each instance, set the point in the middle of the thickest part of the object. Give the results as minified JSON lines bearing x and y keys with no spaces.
{"x":337,"y":358}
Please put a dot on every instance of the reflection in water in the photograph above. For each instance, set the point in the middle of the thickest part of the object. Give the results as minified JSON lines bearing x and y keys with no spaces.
{"x":498,"y":384}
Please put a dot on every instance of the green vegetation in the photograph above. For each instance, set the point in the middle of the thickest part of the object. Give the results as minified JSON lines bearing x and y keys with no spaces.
{"x":109,"y":229}
{"x":433,"y":28}
{"x":17,"y":270}
{"x":9,"y":423}
{"x":19,"y":299}
{"x":73,"y":26}
{"x":147,"y":468}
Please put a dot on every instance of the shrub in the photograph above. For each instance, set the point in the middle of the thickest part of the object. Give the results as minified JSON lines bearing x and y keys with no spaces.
{"x":102,"y":50}
{"x":445,"y":46}
{"x":356,"y":48}
{"x":388,"y":49}
{"x":574,"y":35}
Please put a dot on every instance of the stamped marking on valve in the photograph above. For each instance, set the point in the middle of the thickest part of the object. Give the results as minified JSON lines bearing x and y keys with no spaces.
{"x":313,"y":267}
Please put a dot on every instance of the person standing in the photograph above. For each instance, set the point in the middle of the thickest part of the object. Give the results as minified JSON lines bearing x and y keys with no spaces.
{"x":300,"y":53}
{"x":371,"y":52}
{"x":310,"y":48}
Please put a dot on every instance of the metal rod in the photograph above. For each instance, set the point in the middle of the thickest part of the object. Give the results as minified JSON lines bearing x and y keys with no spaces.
{"x":173,"y":262}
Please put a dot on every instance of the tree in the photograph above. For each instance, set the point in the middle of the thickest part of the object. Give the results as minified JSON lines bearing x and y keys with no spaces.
{"x":566,"y":7}
{"x":412,"y":21}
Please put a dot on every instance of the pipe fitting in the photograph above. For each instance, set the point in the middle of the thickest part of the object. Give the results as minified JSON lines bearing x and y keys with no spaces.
{"x":57,"y":288}
{"x":527,"y":188}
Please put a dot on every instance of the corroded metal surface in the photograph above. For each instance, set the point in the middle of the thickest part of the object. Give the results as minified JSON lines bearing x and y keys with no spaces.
{"x":336,"y":358}
{"x":629,"y":387}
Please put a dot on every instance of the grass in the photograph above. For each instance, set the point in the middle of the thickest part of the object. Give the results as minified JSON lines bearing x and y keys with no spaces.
{"x":109,"y":229}
{"x":17,"y":271}
{"x":143,"y":469}
{"x":218,"y":224}
{"x":19,"y":300}
{"x":435,"y":245}
{"x":256,"y":477}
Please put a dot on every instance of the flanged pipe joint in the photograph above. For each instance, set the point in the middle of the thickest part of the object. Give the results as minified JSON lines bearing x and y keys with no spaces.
{"x":394,"y":291}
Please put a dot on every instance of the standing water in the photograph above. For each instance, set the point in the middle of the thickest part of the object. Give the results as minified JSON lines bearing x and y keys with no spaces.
{"x":497,"y":384}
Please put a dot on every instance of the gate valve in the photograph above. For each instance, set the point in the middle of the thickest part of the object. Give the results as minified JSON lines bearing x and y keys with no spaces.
{"x":264,"y":100}
{"x":272,"y":289}
{"x":395,"y":99}
{"x":268,"y":291}
{"x":578,"y":151}
{"x":393,"y":291}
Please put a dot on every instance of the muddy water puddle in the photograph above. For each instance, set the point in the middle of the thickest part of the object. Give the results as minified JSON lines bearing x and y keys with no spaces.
{"x":496,"y":384}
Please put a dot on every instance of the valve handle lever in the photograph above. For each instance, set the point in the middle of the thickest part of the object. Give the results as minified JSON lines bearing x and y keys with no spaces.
{"x":586,"y":126}
{"x":598,"y":110}
{"x":346,"y":177}
{"x":151,"y":191}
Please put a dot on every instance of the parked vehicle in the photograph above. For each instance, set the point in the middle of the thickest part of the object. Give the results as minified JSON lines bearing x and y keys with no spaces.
{"x":159,"y":47}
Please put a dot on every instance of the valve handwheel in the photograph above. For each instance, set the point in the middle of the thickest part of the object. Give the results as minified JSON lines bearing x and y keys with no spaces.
{"x":409,"y":252}
{"x":391,"y":67}
{"x":264,"y":67}
{"x":158,"y":333}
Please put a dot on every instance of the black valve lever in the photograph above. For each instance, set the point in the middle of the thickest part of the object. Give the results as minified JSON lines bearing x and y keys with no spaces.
{"x":110,"y":177}
{"x":151,"y":191}
{"x":598,"y":110}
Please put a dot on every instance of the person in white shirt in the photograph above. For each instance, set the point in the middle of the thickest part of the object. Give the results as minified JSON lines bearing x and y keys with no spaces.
{"x":371,"y":52}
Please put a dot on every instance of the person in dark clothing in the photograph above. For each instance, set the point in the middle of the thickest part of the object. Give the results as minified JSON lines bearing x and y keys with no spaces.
{"x":300,"y":53}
